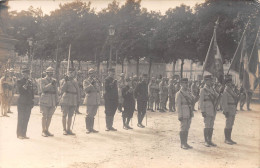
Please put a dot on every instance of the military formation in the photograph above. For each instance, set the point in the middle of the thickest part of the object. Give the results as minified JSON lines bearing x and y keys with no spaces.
{"x":125,"y":95}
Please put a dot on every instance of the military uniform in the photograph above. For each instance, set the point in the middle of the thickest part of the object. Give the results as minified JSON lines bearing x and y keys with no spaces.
{"x":128,"y":104}
{"x":195,"y":92}
{"x":6,"y":92}
{"x":229,"y":103}
{"x":48,"y":101}
{"x":163,"y":94}
{"x":111,"y":101}
{"x":80,"y":84}
{"x":152,"y":93}
{"x":141,"y":95}
{"x":70,"y":98}
{"x":24,"y":104}
{"x":207,"y":105}
{"x":184,"y":103}
{"x":92,"y":100}
{"x":121,"y":84}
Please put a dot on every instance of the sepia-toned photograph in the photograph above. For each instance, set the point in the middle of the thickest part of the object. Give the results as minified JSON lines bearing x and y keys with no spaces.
{"x":129,"y":84}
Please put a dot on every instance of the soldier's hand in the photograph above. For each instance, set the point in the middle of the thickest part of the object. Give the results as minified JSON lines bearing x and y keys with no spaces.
{"x":203,"y":114}
{"x":180,"y":118}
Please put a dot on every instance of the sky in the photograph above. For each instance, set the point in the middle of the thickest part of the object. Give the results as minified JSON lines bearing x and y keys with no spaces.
{"x":50,"y":5}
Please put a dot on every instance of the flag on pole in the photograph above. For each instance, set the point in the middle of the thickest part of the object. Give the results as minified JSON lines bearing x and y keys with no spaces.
{"x":252,"y":67}
{"x":236,"y":61}
{"x":213,"y":62}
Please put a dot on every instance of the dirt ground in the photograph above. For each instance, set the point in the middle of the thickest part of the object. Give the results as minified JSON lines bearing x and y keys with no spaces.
{"x":156,"y":146}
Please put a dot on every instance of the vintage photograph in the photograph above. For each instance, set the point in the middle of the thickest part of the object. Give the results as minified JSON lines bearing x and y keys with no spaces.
{"x":129,"y":84}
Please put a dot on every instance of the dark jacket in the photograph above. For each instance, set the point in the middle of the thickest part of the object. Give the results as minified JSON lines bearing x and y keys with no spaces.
{"x":25,"y":89}
{"x":111,"y":90}
{"x":141,"y":91}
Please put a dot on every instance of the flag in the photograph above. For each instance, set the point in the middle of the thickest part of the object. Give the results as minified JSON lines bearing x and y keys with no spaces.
{"x":237,"y":59}
{"x":213,"y":62}
{"x":253,"y":65}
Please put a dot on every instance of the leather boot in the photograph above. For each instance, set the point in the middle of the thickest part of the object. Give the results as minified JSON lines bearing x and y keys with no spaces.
{"x":206,"y":135}
{"x":127,"y":123}
{"x":183,"y":145}
{"x":87,"y":120}
{"x":107,"y":123}
{"x":186,"y":133}
{"x":227,"y":141}
{"x":210,"y":137}
{"x":124,"y":123}
{"x":92,"y":126}
{"x":230,"y":131}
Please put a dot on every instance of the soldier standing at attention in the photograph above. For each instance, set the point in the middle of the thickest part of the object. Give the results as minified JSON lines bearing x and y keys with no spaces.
{"x":208,"y":109}
{"x":163,"y":94}
{"x":184,"y":103}
{"x":48,"y":100}
{"x":80,"y":84}
{"x":152,"y":93}
{"x":6,"y":92}
{"x":25,"y":103}
{"x":171,"y":94}
{"x":70,"y":99}
{"x":14,"y":80}
{"x":111,"y":99}
{"x":141,"y":95}
{"x":92,"y":100}
{"x":229,"y":103}
{"x":128,"y":104}
{"x":121,"y":84}
{"x":195,"y":92}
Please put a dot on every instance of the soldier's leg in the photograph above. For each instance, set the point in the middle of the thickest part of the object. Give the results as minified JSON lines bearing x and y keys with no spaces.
{"x":139,"y":114}
{"x":173,"y":103}
{"x":143,"y":111}
{"x":227,"y":130}
{"x":65,"y":111}
{"x":206,"y":131}
{"x":44,"y":111}
{"x":242,"y":101}
{"x":187,"y":132}
{"x":70,"y":115}
{"x":161,"y":103}
{"x":212,"y":120}
{"x":231,"y":127}
{"x":165,"y":101}
{"x":170,"y":104}
{"x":27,"y":115}
{"x":20,"y":119}
{"x":88,"y":118}
{"x":49,"y":117}
{"x":248,"y":100}
{"x":93,"y":114}
{"x":182,"y":134}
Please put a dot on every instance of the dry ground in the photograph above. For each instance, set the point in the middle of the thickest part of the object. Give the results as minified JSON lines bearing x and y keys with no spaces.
{"x":156,"y":146}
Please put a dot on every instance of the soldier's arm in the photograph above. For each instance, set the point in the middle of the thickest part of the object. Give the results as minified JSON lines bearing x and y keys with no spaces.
{"x":63,"y":87}
{"x":136,"y":91}
{"x":87,"y":86}
{"x":201,"y":100}
{"x":45,"y":86}
{"x":20,"y":87}
{"x":224,"y":100}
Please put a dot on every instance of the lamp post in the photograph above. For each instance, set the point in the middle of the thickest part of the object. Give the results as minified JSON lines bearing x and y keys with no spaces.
{"x":111,"y":32}
{"x":30,"y":42}
{"x":151,"y":46}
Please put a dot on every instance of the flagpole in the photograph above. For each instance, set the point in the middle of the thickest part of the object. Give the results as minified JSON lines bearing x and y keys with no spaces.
{"x":212,"y":39}
{"x":254,"y":43}
{"x":68,"y":66}
{"x":238,"y":45}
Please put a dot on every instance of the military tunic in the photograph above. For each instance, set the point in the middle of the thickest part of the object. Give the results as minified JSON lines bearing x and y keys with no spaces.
{"x":141,"y":94}
{"x":129,"y":101}
{"x":163,"y":94}
{"x":171,"y":94}
{"x":152,"y":93}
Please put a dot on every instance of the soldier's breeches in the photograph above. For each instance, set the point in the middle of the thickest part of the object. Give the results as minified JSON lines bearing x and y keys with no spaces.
{"x":91,"y":111}
{"x":110,"y":107}
{"x":171,"y":102}
{"x":230,"y":121}
{"x":24,"y":112}
{"x":67,"y":111}
{"x":141,"y":108}
{"x":47,"y":112}
{"x":185,"y":124}
{"x":209,"y":121}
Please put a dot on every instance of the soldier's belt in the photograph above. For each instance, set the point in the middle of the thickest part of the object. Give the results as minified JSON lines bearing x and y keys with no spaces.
{"x":71,"y":92}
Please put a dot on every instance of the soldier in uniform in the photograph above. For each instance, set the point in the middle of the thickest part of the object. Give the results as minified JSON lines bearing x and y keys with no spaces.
{"x":152,"y":93}
{"x":6,"y":92}
{"x":128,"y":104}
{"x":242,"y":97}
{"x":25,"y":103}
{"x":163,"y":94}
{"x":249,"y":94}
{"x":13,"y":81}
{"x":70,"y":99}
{"x":92,"y":100}
{"x":184,"y":103}
{"x":111,"y":99}
{"x":80,"y":84}
{"x":157,"y":96}
{"x":141,"y":95}
{"x":207,"y":103}
{"x":171,"y":94}
{"x":121,"y":84}
{"x":195,"y":92}
{"x":48,"y":100}
{"x":229,"y":103}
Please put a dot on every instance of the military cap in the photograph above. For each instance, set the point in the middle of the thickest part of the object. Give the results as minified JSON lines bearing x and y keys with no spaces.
{"x":208,"y":77}
{"x":49,"y":69}
{"x":183,"y":80}
{"x":228,"y":78}
{"x":111,"y":70}
{"x":25,"y":70}
{"x":91,"y":71}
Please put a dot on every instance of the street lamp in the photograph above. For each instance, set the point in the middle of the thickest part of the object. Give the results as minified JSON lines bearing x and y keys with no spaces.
{"x":30,"y":42}
{"x":111,"y":32}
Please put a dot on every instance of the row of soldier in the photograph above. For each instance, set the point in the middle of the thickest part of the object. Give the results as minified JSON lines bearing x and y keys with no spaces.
{"x":122,"y":94}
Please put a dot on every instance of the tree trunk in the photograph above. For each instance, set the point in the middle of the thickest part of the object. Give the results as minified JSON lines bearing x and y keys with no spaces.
{"x":150,"y":67}
{"x":173,"y":67}
{"x":72,"y":64}
{"x":137,"y":66}
{"x":57,"y":71}
{"x":182,"y":63}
